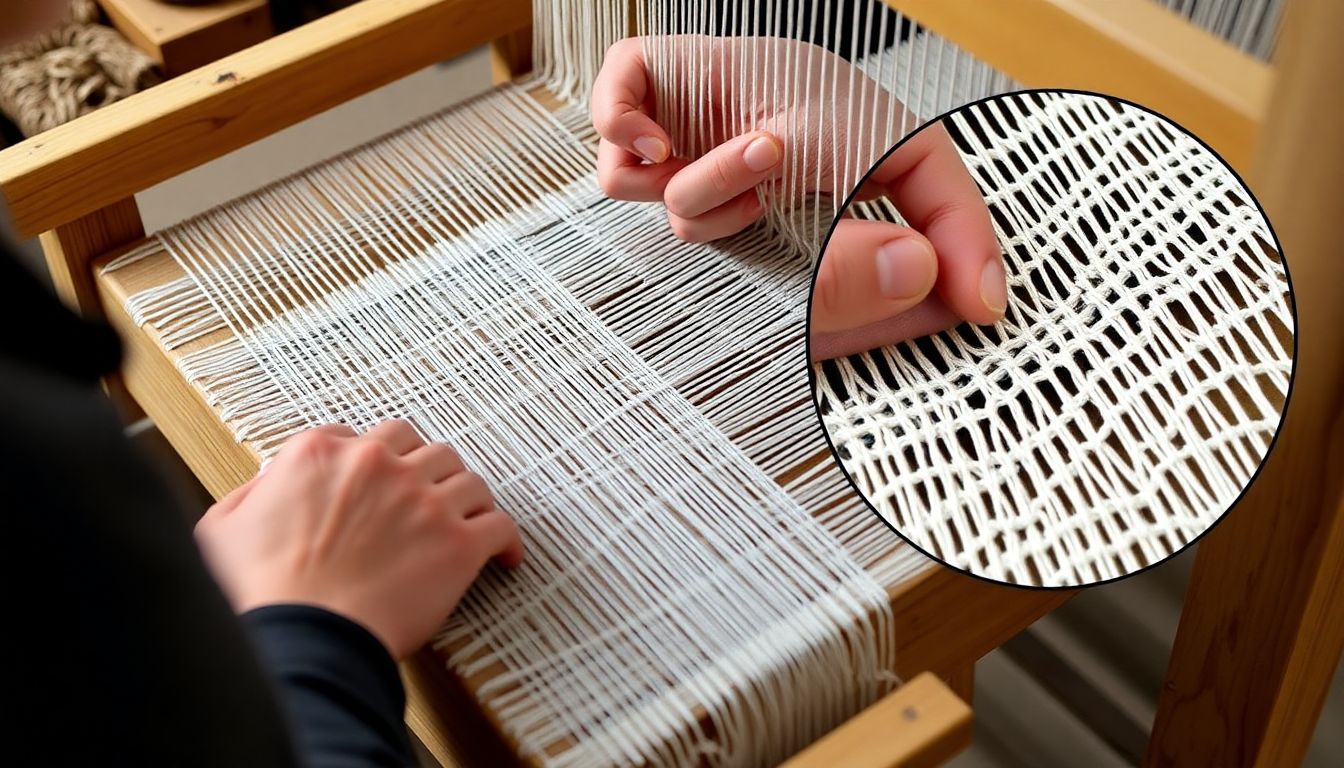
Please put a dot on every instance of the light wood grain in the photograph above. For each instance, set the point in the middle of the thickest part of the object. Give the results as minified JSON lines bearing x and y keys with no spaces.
{"x":944,"y":620}
{"x":114,"y":152}
{"x":183,"y":37}
{"x":71,"y":247}
{"x":962,"y":683}
{"x":1263,"y":624}
{"x":922,"y":723}
{"x":69,"y":251}
{"x":511,"y":55}
{"x":1133,"y":49}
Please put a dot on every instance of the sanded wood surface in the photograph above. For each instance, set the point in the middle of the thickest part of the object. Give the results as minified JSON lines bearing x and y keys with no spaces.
{"x":71,"y":247}
{"x":922,"y":723}
{"x":114,"y":152}
{"x":1134,"y":49}
{"x":70,"y":250}
{"x":1263,"y":625}
{"x":183,"y":37}
{"x":944,"y":620}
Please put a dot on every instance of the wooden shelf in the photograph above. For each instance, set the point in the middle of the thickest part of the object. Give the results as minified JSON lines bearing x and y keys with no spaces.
{"x":183,"y":37}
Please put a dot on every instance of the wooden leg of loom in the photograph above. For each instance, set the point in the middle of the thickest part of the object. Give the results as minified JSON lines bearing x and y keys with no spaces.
{"x":962,"y":682}
{"x":511,"y":55}
{"x":1263,"y":625}
{"x":69,"y":250}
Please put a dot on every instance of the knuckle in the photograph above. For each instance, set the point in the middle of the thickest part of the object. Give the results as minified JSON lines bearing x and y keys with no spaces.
{"x":447,"y":453}
{"x":368,"y":455}
{"x":722,"y":175}
{"x":475,"y":485}
{"x":310,"y":443}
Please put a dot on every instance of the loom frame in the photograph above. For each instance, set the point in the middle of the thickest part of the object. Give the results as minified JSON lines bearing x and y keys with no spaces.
{"x":74,"y":186}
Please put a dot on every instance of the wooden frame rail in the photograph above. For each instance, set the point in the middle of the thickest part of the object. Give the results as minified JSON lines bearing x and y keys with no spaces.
{"x":1134,"y":49}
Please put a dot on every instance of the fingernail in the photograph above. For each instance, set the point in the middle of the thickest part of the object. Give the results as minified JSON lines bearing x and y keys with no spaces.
{"x":905,"y":269}
{"x":651,"y":148}
{"x":994,"y":286}
{"x":762,"y":154}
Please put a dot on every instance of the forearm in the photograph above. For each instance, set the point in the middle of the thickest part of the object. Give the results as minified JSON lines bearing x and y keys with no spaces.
{"x":337,"y":683}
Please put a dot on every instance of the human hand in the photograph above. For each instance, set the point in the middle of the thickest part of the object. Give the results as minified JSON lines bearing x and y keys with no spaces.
{"x":381,"y":528}
{"x":712,"y":193}
{"x":879,"y":283}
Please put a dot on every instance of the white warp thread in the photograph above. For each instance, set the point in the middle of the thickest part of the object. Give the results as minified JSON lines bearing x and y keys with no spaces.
{"x":672,"y":587}
{"x":631,"y":399}
{"x":1132,"y":389}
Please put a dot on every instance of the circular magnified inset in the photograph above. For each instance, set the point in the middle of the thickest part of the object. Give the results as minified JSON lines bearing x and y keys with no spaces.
{"x":1051,"y":338}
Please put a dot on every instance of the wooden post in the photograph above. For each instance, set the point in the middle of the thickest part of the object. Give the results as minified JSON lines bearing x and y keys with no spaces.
{"x":69,"y":250}
{"x":511,"y":55}
{"x":962,"y":682}
{"x":1263,"y":624}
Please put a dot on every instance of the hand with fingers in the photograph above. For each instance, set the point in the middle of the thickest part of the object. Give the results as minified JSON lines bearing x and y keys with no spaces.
{"x":879,"y":283}
{"x":778,"y":142}
{"x":381,"y":528}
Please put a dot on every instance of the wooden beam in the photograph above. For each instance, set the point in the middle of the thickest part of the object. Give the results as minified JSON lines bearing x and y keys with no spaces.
{"x":114,"y":152}
{"x":1263,"y":625}
{"x":1133,"y":49}
{"x":71,"y":248}
{"x":511,"y":55}
{"x":922,"y":723}
{"x":183,"y":37}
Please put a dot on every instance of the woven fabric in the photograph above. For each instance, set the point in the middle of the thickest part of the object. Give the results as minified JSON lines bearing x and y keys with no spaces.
{"x":700,"y":585}
{"x":1133,"y":387}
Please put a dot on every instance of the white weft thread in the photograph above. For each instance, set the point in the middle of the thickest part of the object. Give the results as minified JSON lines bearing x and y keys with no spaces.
{"x":1135,"y":384}
{"x":629,"y":397}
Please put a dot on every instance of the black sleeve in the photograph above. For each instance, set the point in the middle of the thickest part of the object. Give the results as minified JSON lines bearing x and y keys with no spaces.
{"x":121,"y":650}
{"x":340,"y":686}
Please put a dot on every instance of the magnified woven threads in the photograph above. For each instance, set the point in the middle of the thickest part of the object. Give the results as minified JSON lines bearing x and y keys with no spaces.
{"x":1135,"y":384}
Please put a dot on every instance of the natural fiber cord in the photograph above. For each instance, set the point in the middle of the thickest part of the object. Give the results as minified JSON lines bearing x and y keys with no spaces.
{"x":69,"y":72}
{"x":1135,"y":384}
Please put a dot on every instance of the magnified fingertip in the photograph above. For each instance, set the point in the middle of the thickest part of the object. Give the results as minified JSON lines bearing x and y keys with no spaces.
{"x":763,"y":153}
{"x":994,"y":287}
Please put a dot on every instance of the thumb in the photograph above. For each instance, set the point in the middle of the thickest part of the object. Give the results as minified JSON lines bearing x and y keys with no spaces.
{"x":870,"y":271}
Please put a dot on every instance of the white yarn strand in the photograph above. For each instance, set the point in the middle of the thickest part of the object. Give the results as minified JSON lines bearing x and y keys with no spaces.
{"x":1135,"y":384}
{"x":631,"y":398}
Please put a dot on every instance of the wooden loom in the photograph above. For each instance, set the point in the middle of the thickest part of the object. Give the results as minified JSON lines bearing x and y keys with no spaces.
{"x":1274,"y":577}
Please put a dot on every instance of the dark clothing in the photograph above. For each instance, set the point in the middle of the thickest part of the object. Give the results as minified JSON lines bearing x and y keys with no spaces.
{"x":124,"y":650}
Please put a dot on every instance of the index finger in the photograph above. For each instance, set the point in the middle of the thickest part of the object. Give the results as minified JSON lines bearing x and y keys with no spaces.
{"x":622,"y":103}
{"x":937,"y":196}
